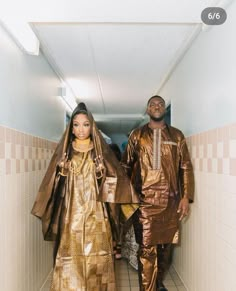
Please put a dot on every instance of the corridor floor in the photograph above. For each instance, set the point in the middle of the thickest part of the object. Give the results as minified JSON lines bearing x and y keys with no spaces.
{"x":127,"y":279}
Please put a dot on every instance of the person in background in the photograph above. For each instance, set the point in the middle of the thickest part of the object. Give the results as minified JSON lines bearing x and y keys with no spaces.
{"x":157,"y":160}
{"x":115,"y":209}
{"x":116,"y":150}
{"x":82,"y":180}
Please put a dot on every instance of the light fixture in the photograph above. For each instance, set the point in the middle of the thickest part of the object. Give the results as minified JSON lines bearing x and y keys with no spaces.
{"x":23,"y":35}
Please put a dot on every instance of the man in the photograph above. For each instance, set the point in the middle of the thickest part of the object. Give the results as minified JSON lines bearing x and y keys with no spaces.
{"x":158,"y":162}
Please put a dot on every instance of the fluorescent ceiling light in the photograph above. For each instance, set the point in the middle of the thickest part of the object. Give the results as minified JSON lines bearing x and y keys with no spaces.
{"x":23,"y":36}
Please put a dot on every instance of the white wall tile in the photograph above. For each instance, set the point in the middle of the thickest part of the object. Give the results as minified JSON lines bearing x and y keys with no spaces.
{"x":220,"y":150}
{"x":232,"y":148}
{"x":214,"y":165}
{"x":226,"y":166}
{"x":209,"y":150}
{"x":201,"y":151}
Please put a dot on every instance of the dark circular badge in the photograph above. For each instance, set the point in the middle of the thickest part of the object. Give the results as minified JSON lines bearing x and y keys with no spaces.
{"x":213,"y":16}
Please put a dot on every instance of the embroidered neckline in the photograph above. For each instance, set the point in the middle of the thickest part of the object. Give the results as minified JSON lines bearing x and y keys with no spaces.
{"x":82,"y":145}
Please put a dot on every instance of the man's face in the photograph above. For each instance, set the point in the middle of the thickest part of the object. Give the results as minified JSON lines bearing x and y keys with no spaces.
{"x":156,"y":109}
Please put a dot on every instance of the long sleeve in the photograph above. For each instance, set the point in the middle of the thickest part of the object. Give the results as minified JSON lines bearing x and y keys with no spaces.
{"x":186,"y":172}
{"x":128,"y":157}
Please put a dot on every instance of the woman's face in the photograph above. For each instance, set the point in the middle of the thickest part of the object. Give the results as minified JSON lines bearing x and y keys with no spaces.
{"x":81,"y":126}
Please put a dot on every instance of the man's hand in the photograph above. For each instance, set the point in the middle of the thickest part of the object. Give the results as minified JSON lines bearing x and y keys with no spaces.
{"x":183,"y":208}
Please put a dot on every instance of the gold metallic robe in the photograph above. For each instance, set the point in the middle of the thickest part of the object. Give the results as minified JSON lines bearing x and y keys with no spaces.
{"x":70,"y":203}
{"x":161,"y":171}
{"x":84,"y":257}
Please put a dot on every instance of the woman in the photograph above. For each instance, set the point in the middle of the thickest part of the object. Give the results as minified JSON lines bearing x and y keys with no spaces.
{"x":83,"y":178}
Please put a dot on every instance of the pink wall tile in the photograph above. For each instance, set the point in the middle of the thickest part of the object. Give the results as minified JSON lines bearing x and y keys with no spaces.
{"x":233,"y":167}
{"x":27,"y":140}
{"x":42,"y":153}
{"x":17,"y":166}
{"x":204,"y":139}
{"x":232,"y":131}
{"x":209,"y":165}
{"x":2,"y":168}
{"x":212,"y":139}
{"x":201,"y":138}
{"x":219,"y":166}
{"x":22,"y":140}
{"x":2,"y":150}
{"x":8,"y":166}
{"x":30,"y":152}
{"x":26,"y":166}
{"x":13,"y":136}
{"x":200,"y":164}
{"x":20,"y":156}
{"x":33,"y":165}
{"x":18,"y":137}
{"x":2,"y":133}
{"x":223,"y":133}
{"x":226,"y":148}
{"x":34,"y":141}
{"x":30,"y":141}
{"x":8,"y":135}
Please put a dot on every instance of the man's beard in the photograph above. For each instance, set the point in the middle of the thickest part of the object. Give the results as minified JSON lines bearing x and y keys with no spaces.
{"x":157,"y":119}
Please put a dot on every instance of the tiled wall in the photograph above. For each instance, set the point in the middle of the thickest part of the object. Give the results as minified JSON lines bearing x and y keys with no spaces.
{"x":26,"y":259}
{"x":206,"y":259}
{"x":207,"y":256}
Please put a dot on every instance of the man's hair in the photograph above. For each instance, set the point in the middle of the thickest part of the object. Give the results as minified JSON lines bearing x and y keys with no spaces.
{"x":155,"y":96}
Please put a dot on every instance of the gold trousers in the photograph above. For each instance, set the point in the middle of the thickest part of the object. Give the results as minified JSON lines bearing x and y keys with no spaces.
{"x":153,"y":264}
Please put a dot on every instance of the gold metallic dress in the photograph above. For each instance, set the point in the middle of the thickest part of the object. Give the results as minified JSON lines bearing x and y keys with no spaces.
{"x":84,"y":259}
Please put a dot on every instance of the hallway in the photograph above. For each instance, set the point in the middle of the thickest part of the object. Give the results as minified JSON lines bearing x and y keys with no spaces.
{"x":127,"y":279}
{"x":114,"y":55}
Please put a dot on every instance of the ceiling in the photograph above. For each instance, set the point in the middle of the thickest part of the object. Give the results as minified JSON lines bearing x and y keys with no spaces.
{"x":113,"y":68}
{"x":114,"y":55}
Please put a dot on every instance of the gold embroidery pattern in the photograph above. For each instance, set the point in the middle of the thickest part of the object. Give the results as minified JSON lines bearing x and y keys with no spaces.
{"x":156,"y":149}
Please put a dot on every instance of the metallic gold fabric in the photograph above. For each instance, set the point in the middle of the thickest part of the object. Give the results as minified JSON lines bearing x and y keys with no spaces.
{"x":114,"y":185}
{"x":84,"y":257}
{"x":72,"y":204}
{"x":154,"y":225}
{"x":148,"y":267}
{"x":153,"y":262}
{"x":159,"y":165}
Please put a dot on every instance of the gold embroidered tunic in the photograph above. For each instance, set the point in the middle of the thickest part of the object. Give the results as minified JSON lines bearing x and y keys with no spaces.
{"x":84,"y":257}
{"x":161,"y":171}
